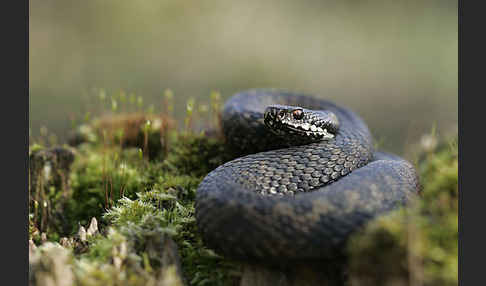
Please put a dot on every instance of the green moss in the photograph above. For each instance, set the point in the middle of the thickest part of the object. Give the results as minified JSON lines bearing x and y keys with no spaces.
{"x":35,"y":148}
{"x":100,"y":177}
{"x":417,"y":244}
{"x":170,"y":210}
{"x":140,"y":182}
{"x":101,"y":248}
{"x":129,"y":211}
{"x":196,"y":155}
{"x":141,"y":201}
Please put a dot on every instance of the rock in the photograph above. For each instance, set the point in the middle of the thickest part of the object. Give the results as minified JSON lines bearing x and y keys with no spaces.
{"x":169,"y":277}
{"x":65,"y":242}
{"x":164,"y":249}
{"x":119,"y":254}
{"x":93,"y":227}
{"x":49,"y":265}
{"x":32,"y":247}
{"x":82,"y":233}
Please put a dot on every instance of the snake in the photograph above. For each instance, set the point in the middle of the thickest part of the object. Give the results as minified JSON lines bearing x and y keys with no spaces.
{"x":305,"y":178}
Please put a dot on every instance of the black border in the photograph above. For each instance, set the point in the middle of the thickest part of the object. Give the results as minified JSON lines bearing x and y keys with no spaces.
{"x":14,"y":23}
{"x":472,"y":200}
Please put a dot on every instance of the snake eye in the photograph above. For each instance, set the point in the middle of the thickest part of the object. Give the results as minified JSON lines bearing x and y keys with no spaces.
{"x":281,"y":113}
{"x":298,"y":114}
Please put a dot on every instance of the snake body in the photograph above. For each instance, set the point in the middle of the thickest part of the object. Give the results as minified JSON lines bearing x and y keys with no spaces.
{"x":285,"y":200}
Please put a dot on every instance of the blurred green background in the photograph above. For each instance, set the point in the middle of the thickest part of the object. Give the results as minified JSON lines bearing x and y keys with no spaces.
{"x":393,"y":62}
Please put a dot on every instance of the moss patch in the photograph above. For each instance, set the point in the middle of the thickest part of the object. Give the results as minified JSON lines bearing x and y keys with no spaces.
{"x":417,"y":244}
{"x":139,"y":181}
{"x":145,"y":206}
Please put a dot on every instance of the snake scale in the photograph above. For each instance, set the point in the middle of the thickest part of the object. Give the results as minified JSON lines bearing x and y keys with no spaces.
{"x":290,"y":198}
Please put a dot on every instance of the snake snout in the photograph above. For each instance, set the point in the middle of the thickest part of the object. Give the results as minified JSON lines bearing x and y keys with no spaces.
{"x":299,"y":124}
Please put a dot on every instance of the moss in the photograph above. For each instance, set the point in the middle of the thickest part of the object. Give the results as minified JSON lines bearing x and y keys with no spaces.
{"x":100,"y":177}
{"x":140,"y":181}
{"x":35,"y":148}
{"x":84,"y":133}
{"x":417,"y":244}
{"x":171,"y":211}
{"x":151,"y":202}
{"x":143,"y":203}
{"x":197,"y":155}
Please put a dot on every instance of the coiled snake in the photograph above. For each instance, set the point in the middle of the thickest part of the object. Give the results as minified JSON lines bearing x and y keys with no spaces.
{"x":311,"y":179}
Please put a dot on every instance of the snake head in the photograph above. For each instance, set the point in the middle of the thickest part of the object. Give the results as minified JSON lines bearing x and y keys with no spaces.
{"x":299,"y":124}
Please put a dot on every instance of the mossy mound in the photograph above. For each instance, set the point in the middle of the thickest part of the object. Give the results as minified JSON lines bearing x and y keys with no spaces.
{"x":417,"y":245}
{"x":138,"y":177}
{"x":141,"y":204}
{"x":147,"y":235}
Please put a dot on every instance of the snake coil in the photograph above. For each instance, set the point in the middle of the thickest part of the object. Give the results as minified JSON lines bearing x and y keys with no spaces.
{"x":284,"y":198}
